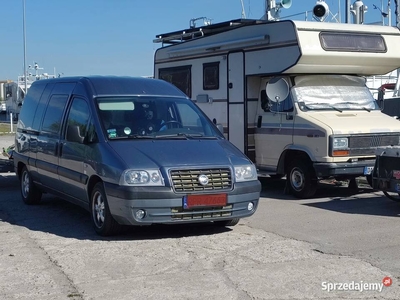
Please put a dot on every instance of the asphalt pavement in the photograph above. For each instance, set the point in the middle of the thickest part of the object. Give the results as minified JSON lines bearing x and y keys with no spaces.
{"x":50,"y":251}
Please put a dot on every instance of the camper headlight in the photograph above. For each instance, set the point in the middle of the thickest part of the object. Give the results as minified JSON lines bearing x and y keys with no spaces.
{"x":340,"y":143}
{"x":150,"y":177}
{"x":245,"y":173}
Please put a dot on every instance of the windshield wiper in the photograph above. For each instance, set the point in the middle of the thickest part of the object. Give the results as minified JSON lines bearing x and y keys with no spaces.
{"x":184,"y":135}
{"x":179,"y":135}
{"x":132,"y":136}
{"x":355,"y":103}
{"x":323,"y":103}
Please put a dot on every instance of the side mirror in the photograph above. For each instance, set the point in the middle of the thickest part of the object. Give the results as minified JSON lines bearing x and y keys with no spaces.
{"x":74,"y":134}
{"x":277,"y":89}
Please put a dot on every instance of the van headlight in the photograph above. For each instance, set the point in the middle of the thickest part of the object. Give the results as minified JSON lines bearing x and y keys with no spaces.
{"x":245,"y":173}
{"x":142,"y":178}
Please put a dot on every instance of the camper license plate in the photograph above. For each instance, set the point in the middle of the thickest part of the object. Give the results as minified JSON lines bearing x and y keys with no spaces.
{"x":368,"y":170}
{"x":191,"y":201}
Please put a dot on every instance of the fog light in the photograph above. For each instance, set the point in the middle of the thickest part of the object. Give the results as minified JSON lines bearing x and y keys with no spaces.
{"x":140,"y":214}
{"x":250,"y":206}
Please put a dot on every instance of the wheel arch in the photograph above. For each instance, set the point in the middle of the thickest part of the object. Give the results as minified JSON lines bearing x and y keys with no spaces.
{"x":288,"y":155}
{"x":20,"y":165}
{"x":91,"y":183}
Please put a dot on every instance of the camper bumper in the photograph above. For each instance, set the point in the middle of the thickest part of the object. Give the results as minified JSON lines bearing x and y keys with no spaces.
{"x":146,"y":206}
{"x":357,"y":168}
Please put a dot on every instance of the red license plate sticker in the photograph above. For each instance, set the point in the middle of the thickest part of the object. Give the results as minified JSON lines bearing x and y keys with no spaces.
{"x":191,"y":201}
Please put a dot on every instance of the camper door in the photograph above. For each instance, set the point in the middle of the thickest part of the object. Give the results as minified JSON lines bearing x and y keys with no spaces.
{"x":275,"y":122}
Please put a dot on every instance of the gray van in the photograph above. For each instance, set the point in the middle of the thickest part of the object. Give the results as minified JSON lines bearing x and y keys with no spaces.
{"x":132,"y":151}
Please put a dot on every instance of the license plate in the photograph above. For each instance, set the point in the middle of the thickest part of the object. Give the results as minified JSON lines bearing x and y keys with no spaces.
{"x":368,"y":170}
{"x":191,"y":201}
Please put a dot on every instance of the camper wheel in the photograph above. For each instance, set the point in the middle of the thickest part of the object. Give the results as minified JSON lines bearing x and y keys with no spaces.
{"x":301,"y":179}
{"x":392,"y":196}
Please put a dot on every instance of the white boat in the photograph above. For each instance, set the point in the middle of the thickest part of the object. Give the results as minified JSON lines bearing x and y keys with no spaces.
{"x":15,"y":91}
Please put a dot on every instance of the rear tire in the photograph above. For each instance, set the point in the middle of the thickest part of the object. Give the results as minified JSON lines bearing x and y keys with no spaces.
{"x":103,"y":221}
{"x":29,"y":192}
{"x":301,"y":179}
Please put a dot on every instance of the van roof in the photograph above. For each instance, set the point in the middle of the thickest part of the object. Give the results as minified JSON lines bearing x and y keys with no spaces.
{"x":121,"y":85}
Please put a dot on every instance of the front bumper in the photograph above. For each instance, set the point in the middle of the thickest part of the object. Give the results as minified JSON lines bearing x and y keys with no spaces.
{"x":343,"y":169}
{"x":163,"y":206}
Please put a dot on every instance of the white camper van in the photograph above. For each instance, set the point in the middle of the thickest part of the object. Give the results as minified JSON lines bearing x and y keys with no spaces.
{"x":290,"y":94}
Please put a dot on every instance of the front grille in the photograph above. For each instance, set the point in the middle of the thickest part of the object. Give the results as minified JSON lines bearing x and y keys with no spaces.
{"x":187,"y":180}
{"x":366,"y":144}
{"x":179,"y":213}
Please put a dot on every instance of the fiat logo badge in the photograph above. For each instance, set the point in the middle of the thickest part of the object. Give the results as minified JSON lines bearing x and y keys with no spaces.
{"x":203,"y":179}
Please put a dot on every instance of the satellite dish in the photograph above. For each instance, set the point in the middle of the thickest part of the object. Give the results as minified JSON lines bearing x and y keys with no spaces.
{"x":277,"y":89}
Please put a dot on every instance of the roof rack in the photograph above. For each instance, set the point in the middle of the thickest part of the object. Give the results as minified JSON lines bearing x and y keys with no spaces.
{"x":192,"y":33}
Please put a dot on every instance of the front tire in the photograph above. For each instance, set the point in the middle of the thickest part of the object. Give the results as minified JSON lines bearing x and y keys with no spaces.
{"x":103,"y":221}
{"x":301,"y":179}
{"x":29,"y":192}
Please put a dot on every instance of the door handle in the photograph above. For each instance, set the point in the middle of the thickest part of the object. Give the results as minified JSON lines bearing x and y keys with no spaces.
{"x":61,"y":148}
{"x":289,"y":117}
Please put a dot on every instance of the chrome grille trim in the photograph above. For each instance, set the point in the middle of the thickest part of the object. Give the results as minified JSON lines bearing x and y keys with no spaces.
{"x":365,"y":145}
{"x":178,"y":213}
{"x":373,"y":141}
{"x":184,"y":181}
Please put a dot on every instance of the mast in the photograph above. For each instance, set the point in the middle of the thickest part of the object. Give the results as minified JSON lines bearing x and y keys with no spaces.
{"x":243,"y":11}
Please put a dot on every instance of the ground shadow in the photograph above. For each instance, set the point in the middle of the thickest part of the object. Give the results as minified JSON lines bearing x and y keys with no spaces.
{"x":56,"y":216}
{"x":337,"y":196}
{"x":276,"y":188}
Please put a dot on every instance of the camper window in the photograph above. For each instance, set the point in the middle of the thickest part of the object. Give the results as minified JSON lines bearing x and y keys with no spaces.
{"x":181,"y":77}
{"x":211,"y":76}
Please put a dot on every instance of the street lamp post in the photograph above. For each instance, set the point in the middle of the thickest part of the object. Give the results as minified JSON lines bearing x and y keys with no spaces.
{"x":24,"y":41}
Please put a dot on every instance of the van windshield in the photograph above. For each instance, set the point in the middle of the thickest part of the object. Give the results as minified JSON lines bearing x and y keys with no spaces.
{"x":333,"y":92}
{"x":153,"y":117}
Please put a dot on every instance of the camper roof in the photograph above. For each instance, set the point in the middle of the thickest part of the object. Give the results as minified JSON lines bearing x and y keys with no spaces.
{"x":191,"y":33}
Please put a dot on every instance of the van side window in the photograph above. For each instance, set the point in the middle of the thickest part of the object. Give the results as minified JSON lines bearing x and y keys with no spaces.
{"x":30,"y":103}
{"x":41,"y":106}
{"x":54,"y":112}
{"x":79,"y":115}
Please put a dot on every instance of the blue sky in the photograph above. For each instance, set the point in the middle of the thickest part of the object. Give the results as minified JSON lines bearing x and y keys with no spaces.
{"x":115,"y":37}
